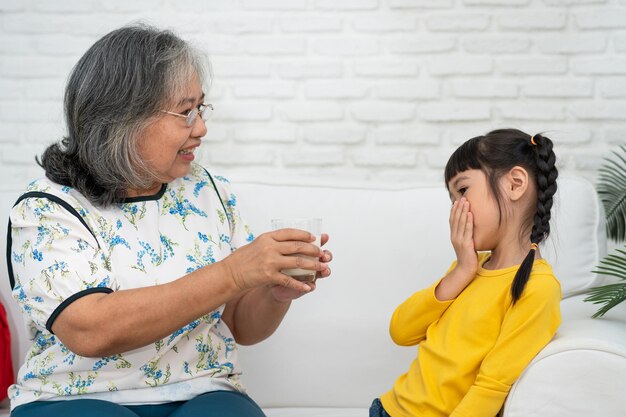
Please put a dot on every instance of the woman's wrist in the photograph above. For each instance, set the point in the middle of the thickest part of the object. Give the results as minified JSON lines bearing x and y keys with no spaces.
{"x":223,"y":270}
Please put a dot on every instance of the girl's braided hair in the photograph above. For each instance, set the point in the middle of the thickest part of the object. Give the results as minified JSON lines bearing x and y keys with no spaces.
{"x":495,"y":154}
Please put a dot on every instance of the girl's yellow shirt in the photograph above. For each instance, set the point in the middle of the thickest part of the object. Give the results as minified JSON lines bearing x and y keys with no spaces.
{"x":472,"y":348}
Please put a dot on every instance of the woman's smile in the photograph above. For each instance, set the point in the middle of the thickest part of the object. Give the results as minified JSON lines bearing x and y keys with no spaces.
{"x":187,"y":154}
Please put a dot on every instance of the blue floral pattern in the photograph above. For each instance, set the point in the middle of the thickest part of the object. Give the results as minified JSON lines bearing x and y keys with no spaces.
{"x":134,"y":244}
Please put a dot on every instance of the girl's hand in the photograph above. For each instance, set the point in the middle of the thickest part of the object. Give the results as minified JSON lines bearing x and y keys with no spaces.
{"x":260,"y":262}
{"x":462,"y":237}
{"x":281,"y":293}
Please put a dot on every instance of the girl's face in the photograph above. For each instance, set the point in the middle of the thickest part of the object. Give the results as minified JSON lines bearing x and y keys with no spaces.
{"x":473,"y":185}
{"x":168,"y":144}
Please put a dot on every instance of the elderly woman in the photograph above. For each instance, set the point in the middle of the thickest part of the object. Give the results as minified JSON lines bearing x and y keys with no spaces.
{"x":134,"y":269}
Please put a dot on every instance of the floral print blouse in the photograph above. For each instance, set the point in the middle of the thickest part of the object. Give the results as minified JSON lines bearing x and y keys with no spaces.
{"x":63,"y":247}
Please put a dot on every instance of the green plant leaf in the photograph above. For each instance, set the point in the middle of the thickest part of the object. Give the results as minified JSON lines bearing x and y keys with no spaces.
{"x":609,"y":295}
{"x":612,"y":192}
{"x":613,"y":265}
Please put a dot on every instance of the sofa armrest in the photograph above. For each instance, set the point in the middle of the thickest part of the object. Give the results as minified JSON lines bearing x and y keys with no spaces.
{"x":580,"y":372}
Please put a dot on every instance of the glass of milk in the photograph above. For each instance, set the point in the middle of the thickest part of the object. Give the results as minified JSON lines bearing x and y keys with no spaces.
{"x":313,"y":226}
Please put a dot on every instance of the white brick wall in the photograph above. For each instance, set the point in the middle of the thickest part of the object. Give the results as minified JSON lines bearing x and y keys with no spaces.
{"x":381,"y":90}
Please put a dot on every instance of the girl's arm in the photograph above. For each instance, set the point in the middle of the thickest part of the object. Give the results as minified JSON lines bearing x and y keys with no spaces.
{"x":528,"y":326}
{"x":411,"y":319}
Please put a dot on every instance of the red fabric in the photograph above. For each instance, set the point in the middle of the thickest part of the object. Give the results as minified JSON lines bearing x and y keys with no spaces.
{"x":6,"y":364}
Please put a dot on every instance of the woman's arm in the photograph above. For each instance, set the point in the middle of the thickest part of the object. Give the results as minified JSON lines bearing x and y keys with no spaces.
{"x":100,"y":325}
{"x":256,"y":314}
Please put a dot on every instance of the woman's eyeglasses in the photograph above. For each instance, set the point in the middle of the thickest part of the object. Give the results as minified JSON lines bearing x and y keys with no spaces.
{"x":204,"y":110}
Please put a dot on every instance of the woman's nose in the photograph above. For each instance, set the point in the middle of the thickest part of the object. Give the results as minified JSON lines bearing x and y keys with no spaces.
{"x":199,"y":127}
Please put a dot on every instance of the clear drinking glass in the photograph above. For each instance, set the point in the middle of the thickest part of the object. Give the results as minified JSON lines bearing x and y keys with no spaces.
{"x":313,"y":226}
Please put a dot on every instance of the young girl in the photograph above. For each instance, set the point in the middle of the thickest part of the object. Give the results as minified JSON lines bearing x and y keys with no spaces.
{"x":480,"y":325}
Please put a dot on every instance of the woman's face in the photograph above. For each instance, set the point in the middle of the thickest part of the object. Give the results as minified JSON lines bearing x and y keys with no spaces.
{"x":167,"y":145}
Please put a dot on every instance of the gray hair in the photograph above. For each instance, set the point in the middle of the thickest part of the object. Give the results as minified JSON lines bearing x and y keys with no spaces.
{"x":114,"y":92}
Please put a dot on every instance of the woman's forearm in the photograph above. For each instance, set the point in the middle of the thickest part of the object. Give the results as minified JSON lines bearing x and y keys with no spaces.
{"x":255,"y":316}
{"x":99,"y":325}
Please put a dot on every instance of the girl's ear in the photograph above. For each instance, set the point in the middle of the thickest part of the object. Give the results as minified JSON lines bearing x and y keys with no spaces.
{"x":516,"y":182}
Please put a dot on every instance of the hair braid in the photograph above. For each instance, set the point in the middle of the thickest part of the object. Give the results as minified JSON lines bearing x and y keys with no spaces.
{"x":546,"y":188}
{"x":545,"y":174}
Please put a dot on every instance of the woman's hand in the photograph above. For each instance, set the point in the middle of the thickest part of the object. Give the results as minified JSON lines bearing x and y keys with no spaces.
{"x":462,"y":236}
{"x":260,"y":262}
{"x":257,"y":313}
{"x":281,"y":293}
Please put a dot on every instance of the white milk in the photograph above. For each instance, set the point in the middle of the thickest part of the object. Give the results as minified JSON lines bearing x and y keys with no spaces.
{"x":300,"y":274}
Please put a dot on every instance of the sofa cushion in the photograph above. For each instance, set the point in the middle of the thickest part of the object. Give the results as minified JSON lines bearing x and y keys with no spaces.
{"x":577,"y":241}
{"x":333,"y":348}
{"x":586,"y":359}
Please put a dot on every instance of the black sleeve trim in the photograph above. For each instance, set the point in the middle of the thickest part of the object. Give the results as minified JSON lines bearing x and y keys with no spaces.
{"x":51,"y":197}
{"x":70,"y":300}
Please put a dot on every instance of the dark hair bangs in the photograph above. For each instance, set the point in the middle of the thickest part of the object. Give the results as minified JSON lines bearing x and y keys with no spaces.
{"x":467,"y":156}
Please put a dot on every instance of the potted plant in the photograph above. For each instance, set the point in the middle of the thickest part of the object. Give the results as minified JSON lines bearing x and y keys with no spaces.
{"x":612,"y":192}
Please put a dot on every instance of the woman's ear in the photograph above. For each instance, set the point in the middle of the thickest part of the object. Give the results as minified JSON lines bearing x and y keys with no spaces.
{"x":516,"y":182}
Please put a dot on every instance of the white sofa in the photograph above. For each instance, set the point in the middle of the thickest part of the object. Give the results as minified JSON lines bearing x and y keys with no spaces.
{"x":332,"y":354}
